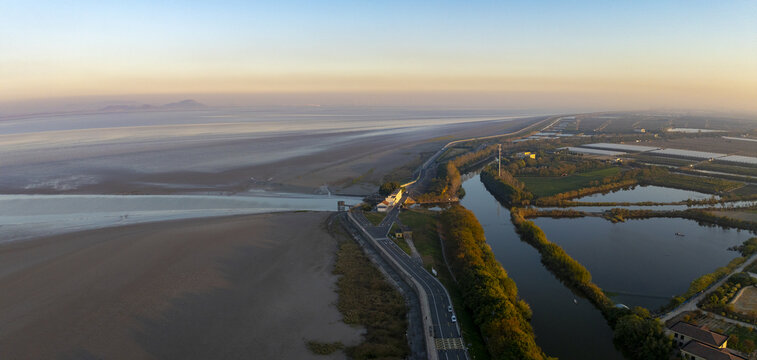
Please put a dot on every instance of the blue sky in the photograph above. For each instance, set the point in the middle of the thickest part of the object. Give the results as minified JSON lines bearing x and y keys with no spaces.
{"x":688,"y":50}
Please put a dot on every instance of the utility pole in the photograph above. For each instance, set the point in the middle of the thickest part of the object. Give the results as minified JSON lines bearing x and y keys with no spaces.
{"x":499,"y":160}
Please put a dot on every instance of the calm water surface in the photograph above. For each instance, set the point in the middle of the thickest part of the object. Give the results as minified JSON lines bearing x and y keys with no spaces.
{"x":645,"y":193}
{"x":27,"y":216}
{"x":643,"y":260}
{"x":563,"y":328}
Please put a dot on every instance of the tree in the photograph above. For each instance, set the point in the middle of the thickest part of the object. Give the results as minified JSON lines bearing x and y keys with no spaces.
{"x":641,"y":338}
{"x":388,"y":187}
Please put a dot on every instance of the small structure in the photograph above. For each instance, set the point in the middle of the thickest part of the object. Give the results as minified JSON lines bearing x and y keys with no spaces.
{"x":340,"y":206}
{"x":698,"y":343}
{"x":695,"y":350}
{"x":684,"y":332}
{"x":391,"y":200}
{"x":395,"y":197}
{"x":383,"y":206}
{"x":525,"y":155}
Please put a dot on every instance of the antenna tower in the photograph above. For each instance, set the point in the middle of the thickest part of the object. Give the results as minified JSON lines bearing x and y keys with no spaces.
{"x":499,"y":160}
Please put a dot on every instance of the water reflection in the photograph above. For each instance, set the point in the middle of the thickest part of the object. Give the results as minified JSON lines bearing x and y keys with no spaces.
{"x":563,"y":328}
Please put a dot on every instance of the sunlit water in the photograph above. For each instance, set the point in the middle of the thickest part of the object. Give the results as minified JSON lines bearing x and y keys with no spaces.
{"x":27,"y":216}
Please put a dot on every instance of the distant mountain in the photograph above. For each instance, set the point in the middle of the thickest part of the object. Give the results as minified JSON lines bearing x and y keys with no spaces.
{"x":127,"y":107}
{"x":184,"y":104}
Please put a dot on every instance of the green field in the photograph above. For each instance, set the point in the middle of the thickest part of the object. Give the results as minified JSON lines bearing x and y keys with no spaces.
{"x":727,"y":168}
{"x":399,"y":241}
{"x":745,"y":190}
{"x":542,"y":186}
{"x":374,"y":217}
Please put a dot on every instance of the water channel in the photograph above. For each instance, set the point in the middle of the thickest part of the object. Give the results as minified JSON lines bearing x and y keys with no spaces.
{"x":27,"y":216}
{"x":564,"y":329}
{"x":642,"y":262}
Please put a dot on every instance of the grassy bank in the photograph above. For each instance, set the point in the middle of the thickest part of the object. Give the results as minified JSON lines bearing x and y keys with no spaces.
{"x":567,"y":269}
{"x":374,"y":217}
{"x":696,"y":183}
{"x":488,"y":293}
{"x":703,"y":216}
{"x":399,"y":240}
{"x":509,"y":190}
{"x":384,"y":316}
{"x":426,"y":239}
{"x":747,"y":249}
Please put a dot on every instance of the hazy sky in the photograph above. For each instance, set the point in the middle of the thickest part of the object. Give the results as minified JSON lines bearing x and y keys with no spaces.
{"x":597,"y":53}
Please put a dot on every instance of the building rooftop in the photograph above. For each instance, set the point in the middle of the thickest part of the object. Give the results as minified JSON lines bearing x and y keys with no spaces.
{"x":621,"y":147}
{"x":739,"y":159}
{"x":581,"y":150}
{"x":697,"y":333}
{"x":710,"y":353}
{"x":688,"y":153}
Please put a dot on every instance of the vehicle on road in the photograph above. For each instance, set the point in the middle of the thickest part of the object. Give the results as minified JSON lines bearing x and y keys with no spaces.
{"x":449,"y":308}
{"x":454,"y":319}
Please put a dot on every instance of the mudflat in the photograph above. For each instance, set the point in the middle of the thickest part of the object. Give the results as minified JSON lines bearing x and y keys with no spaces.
{"x":252,"y":287}
{"x":222,"y":150}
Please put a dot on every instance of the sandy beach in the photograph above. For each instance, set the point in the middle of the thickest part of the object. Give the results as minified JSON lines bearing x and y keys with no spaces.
{"x":247,"y":287}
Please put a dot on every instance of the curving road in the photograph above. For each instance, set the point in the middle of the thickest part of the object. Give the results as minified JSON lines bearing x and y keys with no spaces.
{"x":422,"y":170}
{"x":443,"y":337}
{"x":447,"y":338}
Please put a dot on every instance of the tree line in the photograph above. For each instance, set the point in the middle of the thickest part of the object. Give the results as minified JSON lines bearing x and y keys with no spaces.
{"x":636,"y":334}
{"x":507,"y":188}
{"x":447,"y":183}
{"x":492,"y":297}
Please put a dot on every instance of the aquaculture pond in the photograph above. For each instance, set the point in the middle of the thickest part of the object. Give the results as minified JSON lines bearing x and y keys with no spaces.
{"x":644,"y":262}
{"x":566,"y":325}
{"x":645,"y":193}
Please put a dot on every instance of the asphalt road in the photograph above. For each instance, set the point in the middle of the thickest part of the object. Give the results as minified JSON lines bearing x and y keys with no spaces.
{"x":447,"y":336}
{"x":691,"y":304}
{"x":422,"y":171}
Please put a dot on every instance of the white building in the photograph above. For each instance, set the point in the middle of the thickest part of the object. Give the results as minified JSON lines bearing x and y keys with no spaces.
{"x":383,"y":206}
{"x":391,"y":200}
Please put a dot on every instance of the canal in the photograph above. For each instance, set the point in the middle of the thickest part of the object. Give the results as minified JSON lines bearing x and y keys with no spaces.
{"x":564,"y":328}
